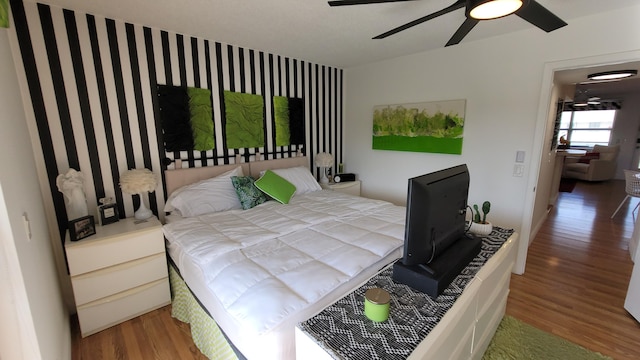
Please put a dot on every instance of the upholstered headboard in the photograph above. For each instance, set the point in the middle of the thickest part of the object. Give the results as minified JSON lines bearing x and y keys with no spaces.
{"x":177,"y":178}
{"x":258,"y":166}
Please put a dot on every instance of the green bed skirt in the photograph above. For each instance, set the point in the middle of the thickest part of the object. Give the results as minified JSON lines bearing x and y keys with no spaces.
{"x":205,"y":332}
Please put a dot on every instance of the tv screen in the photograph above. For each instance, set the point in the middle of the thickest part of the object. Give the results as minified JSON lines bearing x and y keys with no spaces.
{"x":436,"y":208}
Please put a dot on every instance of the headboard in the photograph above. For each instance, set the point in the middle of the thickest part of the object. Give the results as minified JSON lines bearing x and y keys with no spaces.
{"x":177,"y":178}
{"x":258,"y":166}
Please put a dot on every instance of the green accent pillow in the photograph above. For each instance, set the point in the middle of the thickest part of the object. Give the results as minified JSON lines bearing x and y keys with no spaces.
{"x":248,"y":194}
{"x":276,"y":186}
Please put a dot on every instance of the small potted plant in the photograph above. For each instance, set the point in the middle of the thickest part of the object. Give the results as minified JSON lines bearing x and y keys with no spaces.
{"x":479,"y":223}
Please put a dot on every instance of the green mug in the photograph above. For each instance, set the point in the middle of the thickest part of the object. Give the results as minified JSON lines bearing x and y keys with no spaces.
{"x":376,"y":304}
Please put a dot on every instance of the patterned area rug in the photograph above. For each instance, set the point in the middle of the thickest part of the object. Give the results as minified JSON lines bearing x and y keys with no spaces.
{"x":517,"y":340}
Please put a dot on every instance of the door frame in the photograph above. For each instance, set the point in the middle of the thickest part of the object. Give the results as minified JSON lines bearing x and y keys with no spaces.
{"x":544,"y":104}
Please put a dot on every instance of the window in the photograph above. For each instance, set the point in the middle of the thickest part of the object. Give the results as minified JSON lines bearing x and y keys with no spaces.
{"x":587,"y":128}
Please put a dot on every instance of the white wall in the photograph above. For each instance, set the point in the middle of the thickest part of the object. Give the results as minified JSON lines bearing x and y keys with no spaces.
{"x":501,"y":78}
{"x":626,"y":131}
{"x":35,"y":322}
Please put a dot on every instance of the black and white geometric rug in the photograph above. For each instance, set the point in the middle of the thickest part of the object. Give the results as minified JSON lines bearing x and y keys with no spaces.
{"x":345,"y":332}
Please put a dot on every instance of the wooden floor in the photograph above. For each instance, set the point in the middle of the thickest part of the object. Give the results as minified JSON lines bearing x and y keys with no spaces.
{"x":152,"y":336}
{"x":574,"y":286}
{"x":578,"y":270}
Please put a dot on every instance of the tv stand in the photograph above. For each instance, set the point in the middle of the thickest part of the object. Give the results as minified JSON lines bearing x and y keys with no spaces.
{"x":432,"y":279}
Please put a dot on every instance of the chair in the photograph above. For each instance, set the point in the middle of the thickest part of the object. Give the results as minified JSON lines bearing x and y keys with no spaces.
{"x":598,"y":165}
{"x":632,"y":188}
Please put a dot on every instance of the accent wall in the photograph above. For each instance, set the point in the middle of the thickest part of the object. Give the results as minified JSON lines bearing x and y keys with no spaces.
{"x":91,"y":94}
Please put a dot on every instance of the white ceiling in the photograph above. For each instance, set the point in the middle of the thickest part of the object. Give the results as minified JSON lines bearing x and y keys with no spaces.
{"x":602,"y":89}
{"x":311,"y":30}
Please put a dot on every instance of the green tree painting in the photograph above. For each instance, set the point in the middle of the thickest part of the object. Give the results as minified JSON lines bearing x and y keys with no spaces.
{"x":435,"y":127}
{"x":244,"y":114}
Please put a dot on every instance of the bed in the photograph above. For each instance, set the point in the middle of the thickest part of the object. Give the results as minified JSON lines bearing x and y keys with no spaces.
{"x":258,"y":272}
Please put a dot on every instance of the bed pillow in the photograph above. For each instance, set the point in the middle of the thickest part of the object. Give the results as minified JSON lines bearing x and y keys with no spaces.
{"x":206,"y":196}
{"x":248,"y":194}
{"x":300,"y":177}
{"x":274,"y":185}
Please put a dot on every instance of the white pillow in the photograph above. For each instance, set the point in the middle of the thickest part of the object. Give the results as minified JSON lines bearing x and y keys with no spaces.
{"x":300,"y":177}
{"x":206,"y":196}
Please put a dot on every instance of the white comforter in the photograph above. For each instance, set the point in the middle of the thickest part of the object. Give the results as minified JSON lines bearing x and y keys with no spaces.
{"x":267,"y":263}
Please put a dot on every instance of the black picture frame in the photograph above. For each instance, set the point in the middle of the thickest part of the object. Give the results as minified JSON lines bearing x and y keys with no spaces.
{"x":81,"y":228}
{"x":108,"y":214}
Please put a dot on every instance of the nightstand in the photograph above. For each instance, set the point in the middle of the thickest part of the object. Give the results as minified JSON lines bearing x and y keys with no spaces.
{"x":347,"y":187}
{"x":118,"y":273}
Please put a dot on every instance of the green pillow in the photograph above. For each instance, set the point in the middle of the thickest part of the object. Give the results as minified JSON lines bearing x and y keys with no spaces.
{"x":276,"y":186}
{"x":248,"y":194}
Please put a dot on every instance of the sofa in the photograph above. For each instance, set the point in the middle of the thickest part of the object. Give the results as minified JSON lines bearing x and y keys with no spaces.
{"x":599,"y":164}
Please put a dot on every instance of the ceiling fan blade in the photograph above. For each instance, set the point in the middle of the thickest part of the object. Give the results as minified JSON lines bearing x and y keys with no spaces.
{"x":462,"y":31}
{"x":457,"y":5}
{"x":539,"y":16}
{"x":361,"y":2}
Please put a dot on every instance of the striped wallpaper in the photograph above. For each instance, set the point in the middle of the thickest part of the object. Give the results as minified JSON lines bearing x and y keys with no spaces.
{"x":92,"y":88}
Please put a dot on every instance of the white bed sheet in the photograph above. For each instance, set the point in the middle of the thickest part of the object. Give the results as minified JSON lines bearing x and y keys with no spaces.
{"x":260,"y":282}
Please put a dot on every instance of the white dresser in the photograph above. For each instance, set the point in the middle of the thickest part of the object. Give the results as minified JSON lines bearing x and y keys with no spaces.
{"x":466,"y":329}
{"x":118,"y":273}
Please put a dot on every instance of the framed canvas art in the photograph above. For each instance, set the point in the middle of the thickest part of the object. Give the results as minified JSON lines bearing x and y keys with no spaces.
{"x":435,"y":127}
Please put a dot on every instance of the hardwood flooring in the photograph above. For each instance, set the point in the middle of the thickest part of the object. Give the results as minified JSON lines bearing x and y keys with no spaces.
{"x":574,"y":286}
{"x":152,"y":336}
{"x":578,"y":270}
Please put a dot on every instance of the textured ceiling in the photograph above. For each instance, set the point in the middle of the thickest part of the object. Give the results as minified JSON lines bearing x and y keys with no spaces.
{"x":311,"y":30}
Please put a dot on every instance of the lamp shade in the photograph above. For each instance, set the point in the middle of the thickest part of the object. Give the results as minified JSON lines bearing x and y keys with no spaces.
{"x":138,"y":181}
{"x":324,"y":160}
{"x":492,"y":9}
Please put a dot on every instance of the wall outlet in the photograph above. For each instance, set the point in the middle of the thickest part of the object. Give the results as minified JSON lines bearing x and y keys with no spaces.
{"x":518,"y":170}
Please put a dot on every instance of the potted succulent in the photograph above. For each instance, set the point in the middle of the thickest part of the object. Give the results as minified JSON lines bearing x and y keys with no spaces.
{"x":479,"y":224}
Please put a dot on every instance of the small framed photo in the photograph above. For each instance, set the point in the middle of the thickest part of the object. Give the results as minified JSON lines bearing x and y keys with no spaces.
{"x":108,"y":214}
{"x":82,"y":227}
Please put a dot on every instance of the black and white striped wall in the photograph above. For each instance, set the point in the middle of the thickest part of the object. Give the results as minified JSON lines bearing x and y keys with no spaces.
{"x":89,"y":87}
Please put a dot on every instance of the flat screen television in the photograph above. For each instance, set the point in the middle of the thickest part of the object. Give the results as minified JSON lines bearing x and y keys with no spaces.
{"x":436,"y":208}
{"x":436,"y":246}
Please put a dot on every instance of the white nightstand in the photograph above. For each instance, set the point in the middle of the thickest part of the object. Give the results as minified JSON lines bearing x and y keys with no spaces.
{"x":347,"y":187}
{"x":118,"y":273}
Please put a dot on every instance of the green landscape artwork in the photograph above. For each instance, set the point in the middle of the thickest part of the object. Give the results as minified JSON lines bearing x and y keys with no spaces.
{"x":434,"y":127}
{"x":244,"y":120}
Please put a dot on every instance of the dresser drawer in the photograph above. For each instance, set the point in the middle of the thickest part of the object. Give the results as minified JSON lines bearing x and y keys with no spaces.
{"x":454,"y":332}
{"x":488,"y":323}
{"x":492,"y":274}
{"x":103,"y":313}
{"x":101,"y":253}
{"x":108,"y":281}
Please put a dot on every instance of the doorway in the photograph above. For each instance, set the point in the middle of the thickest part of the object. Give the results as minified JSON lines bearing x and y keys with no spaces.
{"x":543,"y":158}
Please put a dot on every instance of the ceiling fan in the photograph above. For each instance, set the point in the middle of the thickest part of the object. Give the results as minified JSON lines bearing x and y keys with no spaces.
{"x":529,"y":10}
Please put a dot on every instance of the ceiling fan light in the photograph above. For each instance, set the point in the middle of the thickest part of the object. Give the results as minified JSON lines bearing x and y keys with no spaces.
{"x":613,"y":75}
{"x":492,"y":9}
